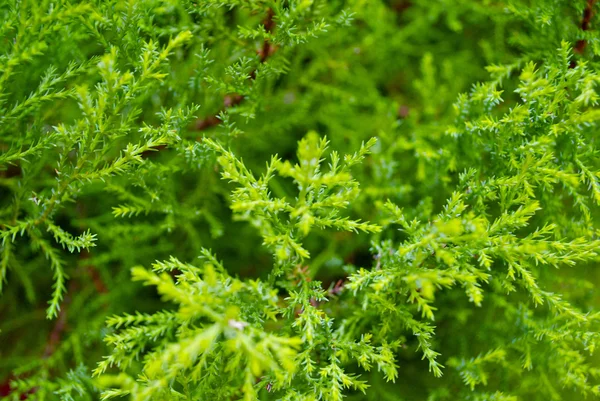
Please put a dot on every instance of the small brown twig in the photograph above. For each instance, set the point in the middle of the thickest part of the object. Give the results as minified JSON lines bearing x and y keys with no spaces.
{"x":400,"y":6}
{"x":234,"y":99}
{"x":267,"y":48}
{"x":337,"y":288}
{"x":211,"y":121}
{"x":588,"y":13}
{"x":92,"y":271}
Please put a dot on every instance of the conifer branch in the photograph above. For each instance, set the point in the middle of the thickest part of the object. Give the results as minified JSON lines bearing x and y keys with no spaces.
{"x":466,"y":235}
{"x":60,"y":324}
{"x":233,"y":100}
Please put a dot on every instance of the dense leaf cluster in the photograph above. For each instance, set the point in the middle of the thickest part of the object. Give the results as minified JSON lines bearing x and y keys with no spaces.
{"x":299,"y":200}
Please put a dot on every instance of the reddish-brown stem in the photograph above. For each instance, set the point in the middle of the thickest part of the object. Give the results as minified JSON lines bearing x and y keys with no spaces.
{"x":211,"y":121}
{"x":269,"y":24}
{"x":93,"y":273}
{"x":400,"y":6}
{"x":588,"y":13}
{"x":266,"y":50}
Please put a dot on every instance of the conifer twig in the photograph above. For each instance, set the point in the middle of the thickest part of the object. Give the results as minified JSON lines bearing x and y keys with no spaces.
{"x":234,"y":99}
{"x":60,"y":325}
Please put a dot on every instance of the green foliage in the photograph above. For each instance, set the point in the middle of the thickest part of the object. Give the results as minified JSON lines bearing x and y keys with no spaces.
{"x":405,"y":196}
{"x":321,"y":196}
{"x":214,"y":335}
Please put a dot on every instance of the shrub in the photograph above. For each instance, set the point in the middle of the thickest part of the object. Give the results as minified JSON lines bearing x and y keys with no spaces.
{"x":382,"y":200}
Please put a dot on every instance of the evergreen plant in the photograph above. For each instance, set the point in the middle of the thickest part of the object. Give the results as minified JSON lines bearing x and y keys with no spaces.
{"x":299,"y":200}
